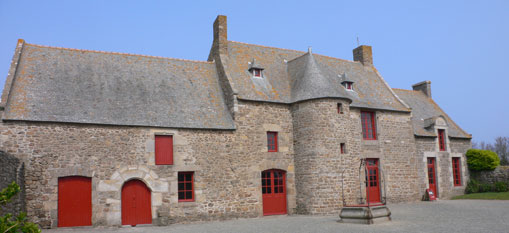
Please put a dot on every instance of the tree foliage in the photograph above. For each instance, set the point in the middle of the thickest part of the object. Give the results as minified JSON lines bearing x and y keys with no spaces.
{"x":9,"y":223}
{"x":479,"y":160}
{"x":501,"y":147}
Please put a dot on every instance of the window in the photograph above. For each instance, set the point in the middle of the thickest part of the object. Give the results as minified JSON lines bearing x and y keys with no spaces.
{"x":257,"y":72}
{"x":340,"y":108}
{"x":164,"y":149}
{"x":368,"y":125}
{"x":441,"y":139}
{"x":272,"y":141}
{"x":456,"y":171}
{"x":342,"y":146}
{"x":186,"y":187}
{"x":348,"y":85}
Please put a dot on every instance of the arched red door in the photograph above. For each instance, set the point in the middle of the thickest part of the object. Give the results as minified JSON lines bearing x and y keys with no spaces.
{"x":74,"y":201}
{"x":372,"y":181}
{"x":136,"y":203}
{"x":274,"y":192}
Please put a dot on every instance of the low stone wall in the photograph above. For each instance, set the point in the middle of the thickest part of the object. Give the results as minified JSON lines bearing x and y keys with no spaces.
{"x":501,"y":173}
{"x":12,"y":169}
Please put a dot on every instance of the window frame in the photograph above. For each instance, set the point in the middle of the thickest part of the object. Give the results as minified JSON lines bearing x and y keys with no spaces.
{"x":365,"y":124}
{"x":441,"y":140}
{"x":340,"y":108}
{"x":185,"y":190}
{"x":158,"y":156}
{"x":349,"y":86}
{"x":272,"y":147}
{"x":257,"y":72}
{"x":456,"y":171}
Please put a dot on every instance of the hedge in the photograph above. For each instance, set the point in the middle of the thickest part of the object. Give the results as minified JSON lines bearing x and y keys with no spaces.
{"x":479,"y":160}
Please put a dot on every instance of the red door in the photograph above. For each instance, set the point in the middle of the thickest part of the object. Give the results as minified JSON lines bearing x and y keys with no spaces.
{"x":136,"y":203}
{"x":372,"y":181}
{"x":274,"y":192}
{"x":74,"y":201}
{"x":432,"y":176}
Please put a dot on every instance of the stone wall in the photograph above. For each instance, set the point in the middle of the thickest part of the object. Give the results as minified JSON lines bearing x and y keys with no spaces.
{"x":12,"y":169}
{"x":227,"y":165}
{"x":500,"y":174}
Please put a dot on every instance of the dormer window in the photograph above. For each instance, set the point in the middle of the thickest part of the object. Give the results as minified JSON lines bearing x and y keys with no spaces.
{"x":346,"y":82}
{"x":348,"y":85}
{"x":255,"y":69}
{"x":257,"y":73}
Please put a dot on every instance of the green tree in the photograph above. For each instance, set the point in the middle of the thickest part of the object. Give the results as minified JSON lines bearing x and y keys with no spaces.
{"x":479,"y":160}
{"x":9,"y":223}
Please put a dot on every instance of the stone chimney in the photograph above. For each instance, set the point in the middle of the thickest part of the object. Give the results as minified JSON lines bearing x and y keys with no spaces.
{"x":363,"y":54}
{"x":424,"y":86}
{"x":220,"y":43}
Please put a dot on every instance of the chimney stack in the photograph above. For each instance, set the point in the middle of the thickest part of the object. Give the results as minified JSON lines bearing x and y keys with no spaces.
{"x":220,"y":44}
{"x":363,"y":54}
{"x":424,"y":86}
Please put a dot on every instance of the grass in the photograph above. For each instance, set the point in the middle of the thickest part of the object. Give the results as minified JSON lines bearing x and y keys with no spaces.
{"x":484,"y":196}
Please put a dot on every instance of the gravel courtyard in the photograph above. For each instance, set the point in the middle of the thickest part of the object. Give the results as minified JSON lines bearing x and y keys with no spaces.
{"x":441,"y":216}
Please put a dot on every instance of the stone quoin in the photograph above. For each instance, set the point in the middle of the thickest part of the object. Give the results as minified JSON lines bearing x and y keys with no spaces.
{"x":252,"y":131}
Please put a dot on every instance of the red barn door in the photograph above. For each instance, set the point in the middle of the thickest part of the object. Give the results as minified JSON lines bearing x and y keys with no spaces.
{"x":136,"y":203}
{"x":74,"y":201}
{"x":372,"y":181}
{"x":432,"y":176}
{"x":274,"y":192}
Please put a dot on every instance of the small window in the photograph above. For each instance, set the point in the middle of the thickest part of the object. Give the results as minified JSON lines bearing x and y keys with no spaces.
{"x":343,"y":149}
{"x":441,"y":139}
{"x":348,"y":86}
{"x":368,"y":125}
{"x":272,"y":141}
{"x":164,"y":149}
{"x":185,"y":186}
{"x":456,"y":171}
{"x":257,"y":72}
{"x":340,"y":108}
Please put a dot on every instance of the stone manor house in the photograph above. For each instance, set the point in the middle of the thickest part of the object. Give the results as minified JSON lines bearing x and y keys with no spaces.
{"x":120,"y":139}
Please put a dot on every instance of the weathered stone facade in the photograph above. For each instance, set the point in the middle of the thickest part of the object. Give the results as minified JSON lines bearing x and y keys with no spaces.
{"x":228,"y":161}
{"x":12,"y":169}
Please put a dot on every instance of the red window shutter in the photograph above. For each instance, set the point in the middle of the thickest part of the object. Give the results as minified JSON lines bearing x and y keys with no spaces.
{"x":441,"y":139}
{"x":368,"y":125}
{"x":185,"y":186}
{"x":272,"y":141}
{"x":456,"y":171}
{"x":164,"y":150}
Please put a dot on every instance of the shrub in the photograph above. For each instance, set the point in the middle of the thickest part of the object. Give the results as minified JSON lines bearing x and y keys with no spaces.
{"x":472,"y":186}
{"x":8,"y":223}
{"x":479,"y":160}
{"x":501,"y":187}
{"x":483,"y":188}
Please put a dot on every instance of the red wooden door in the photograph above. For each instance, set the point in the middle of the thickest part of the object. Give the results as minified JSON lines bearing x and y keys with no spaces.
{"x":372,"y":181}
{"x":432,"y":176}
{"x":274,"y":192}
{"x":74,"y":201}
{"x":136,"y":203}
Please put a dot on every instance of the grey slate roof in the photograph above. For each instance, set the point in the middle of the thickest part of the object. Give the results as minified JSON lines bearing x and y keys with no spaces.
{"x":309,"y":80}
{"x":370,"y":90}
{"x":67,"y":85}
{"x":425,"y":108}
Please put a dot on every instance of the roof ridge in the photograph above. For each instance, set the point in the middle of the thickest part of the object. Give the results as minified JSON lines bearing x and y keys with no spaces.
{"x":117,"y":53}
{"x":401,"y":89}
{"x":272,"y":47}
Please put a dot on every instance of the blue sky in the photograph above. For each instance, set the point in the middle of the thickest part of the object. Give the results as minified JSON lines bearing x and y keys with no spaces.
{"x":462,"y":47}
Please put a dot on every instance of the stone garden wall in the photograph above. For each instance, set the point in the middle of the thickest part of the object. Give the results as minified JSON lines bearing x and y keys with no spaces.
{"x":501,"y":173}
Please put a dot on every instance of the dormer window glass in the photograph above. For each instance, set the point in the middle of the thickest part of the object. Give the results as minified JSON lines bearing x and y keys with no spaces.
{"x":348,"y":85}
{"x":255,"y":69}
